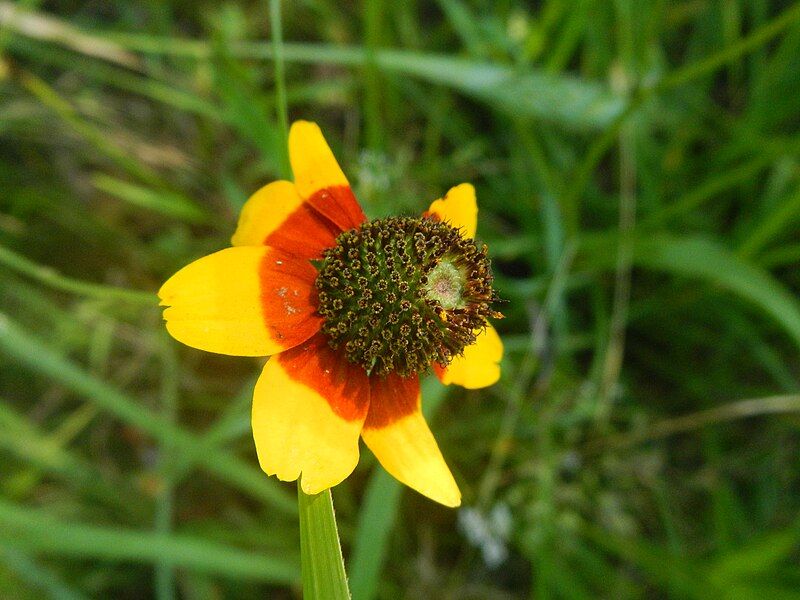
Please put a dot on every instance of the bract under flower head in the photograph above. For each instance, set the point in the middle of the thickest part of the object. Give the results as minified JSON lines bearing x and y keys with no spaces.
{"x":351,"y":312}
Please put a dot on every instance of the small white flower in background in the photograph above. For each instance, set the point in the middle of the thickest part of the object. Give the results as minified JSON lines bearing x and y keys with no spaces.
{"x":489,"y":532}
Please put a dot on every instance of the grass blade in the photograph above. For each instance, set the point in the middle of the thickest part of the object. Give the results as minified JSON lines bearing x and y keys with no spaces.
{"x":375,"y":524}
{"x":161,"y":201}
{"x":708,"y":260}
{"x":38,"y":357}
{"x":563,"y":99}
{"x":36,"y":575}
{"x":50,"y":277}
{"x":39,"y":531}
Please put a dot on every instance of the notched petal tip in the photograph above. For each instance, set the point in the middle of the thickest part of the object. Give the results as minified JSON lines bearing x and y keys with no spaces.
{"x":313,"y":487}
{"x":308,"y":410}
{"x":224,"y":302}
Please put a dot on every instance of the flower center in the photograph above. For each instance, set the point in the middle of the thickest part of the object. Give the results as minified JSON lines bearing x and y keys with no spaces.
{"x":398,"y":294}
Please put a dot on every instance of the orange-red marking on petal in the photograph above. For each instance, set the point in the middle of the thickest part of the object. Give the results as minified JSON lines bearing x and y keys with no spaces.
{"x":318,"y":177}
{"x":317,"y":366}
{"x":339,"y":204}
{"x":394,"y":398}
{"x":277,"y":216}
{"x":304,"y":233}
{"x":288,"y":297}
{"x":439,"y":370}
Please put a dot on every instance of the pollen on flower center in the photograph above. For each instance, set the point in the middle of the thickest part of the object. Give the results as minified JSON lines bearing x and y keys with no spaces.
{"x":445,"y":285}
{"x":398,"y":294}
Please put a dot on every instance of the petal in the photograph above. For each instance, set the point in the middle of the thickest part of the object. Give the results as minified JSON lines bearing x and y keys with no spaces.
{"x":478,"y":367}
{"x":308,"y":409}
{"x":398,"y":435}
{"x":458,"y":208}
{"x":245,"y":301}
{"x":318,"y":177}
{"x":277,"y":216}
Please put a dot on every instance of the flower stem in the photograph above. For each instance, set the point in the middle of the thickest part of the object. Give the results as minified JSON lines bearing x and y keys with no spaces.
{"x":320,"y":552}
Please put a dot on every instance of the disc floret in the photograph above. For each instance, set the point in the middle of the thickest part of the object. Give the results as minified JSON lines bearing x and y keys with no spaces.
{"x":400,"y":293}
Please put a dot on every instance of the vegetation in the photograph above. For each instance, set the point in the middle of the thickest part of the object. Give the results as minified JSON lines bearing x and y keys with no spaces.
{"x":637,"y":172}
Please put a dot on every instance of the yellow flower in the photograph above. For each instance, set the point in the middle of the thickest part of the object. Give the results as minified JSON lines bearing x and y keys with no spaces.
{"x":351,"y":311}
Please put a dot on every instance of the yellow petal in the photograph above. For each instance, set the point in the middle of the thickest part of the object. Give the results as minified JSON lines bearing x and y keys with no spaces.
{"x":309,"y":406}
{"x":277,"y":216}
{"x":459,"y":208}
{"x":319,"y":179}
{"x":245,"y":301}
{"x":398,"y":435}
{"x":479,"y":365}
{"x":313,"y":163}
{"x":264,"y":212}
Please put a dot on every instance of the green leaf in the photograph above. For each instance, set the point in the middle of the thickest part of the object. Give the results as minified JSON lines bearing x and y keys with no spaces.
{"x":39,"y":577}
{"x":654,"y":562}
{"x":161,"y":201}
{"x":758,"y":557}
{"x":781,"y":218}
{"x":52,"y":278}
{"x":710,"y":261}
{"x":578,"y":103}
{"x":25,"y":440}
{"x":569,"y":100}
{"x":41,"y":532}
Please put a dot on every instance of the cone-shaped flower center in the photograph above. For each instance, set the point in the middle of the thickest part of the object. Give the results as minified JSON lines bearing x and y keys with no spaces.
{"x":398,"y":294}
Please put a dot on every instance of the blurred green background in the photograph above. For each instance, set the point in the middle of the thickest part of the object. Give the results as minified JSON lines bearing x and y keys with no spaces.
{"x":637,"y":171}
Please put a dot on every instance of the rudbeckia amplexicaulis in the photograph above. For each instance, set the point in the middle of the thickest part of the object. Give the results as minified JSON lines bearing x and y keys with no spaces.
{"x":352,"y":312}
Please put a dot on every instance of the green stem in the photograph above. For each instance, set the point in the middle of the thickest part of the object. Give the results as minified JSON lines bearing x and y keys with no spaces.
{"x":320,"y":552}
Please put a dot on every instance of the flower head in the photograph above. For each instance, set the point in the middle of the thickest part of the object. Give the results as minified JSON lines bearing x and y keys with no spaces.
{"x":352,"y":312}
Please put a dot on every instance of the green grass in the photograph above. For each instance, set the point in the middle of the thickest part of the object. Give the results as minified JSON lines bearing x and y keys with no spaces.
{"x":637,"y":168}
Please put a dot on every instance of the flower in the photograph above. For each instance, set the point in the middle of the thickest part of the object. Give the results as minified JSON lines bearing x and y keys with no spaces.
{"x":351,"y":312}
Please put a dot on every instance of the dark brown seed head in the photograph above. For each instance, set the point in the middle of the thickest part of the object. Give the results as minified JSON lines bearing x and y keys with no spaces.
{"x":398,"y":294}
